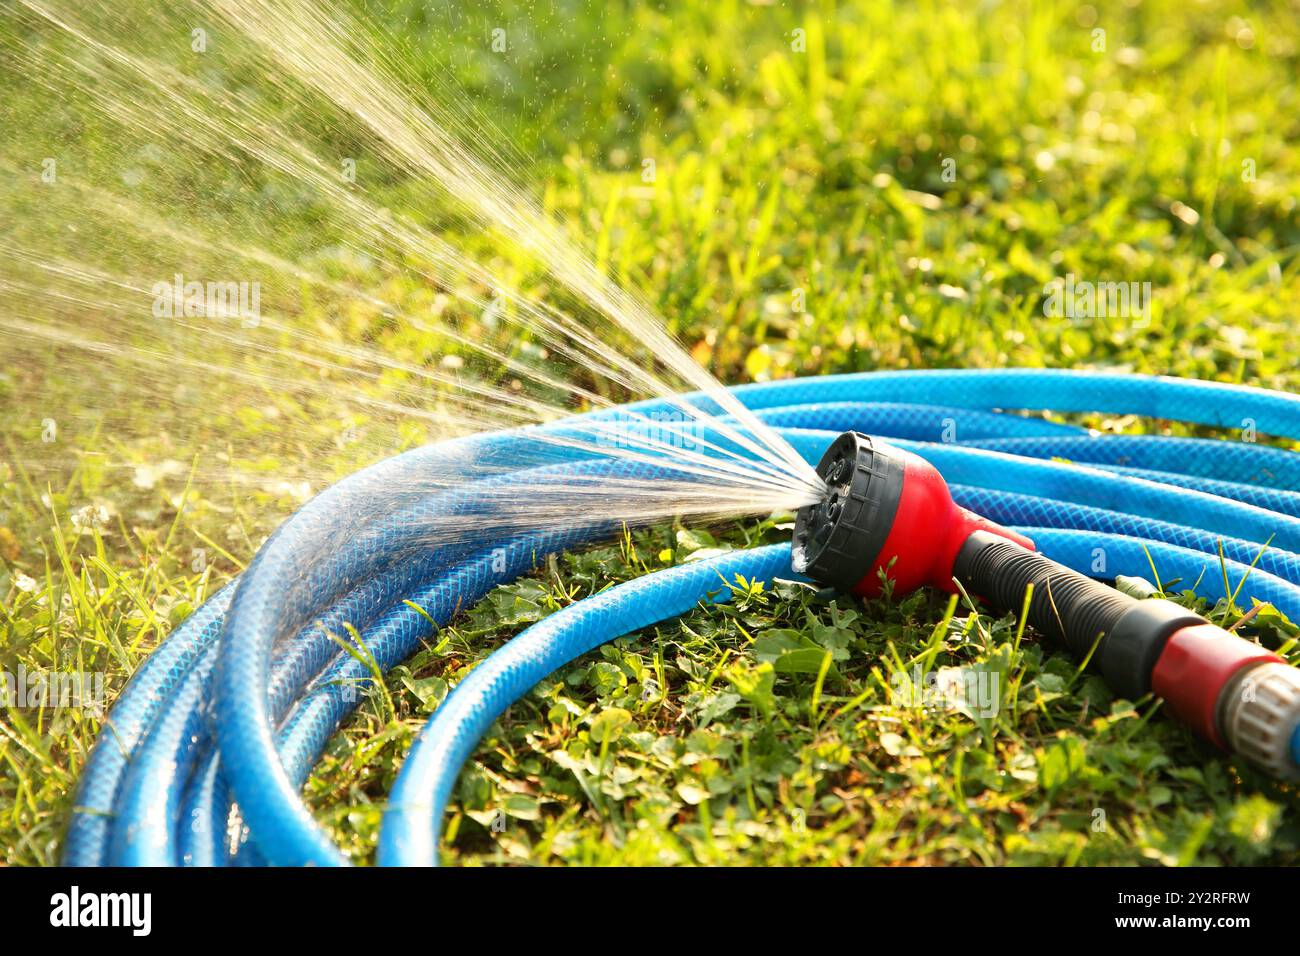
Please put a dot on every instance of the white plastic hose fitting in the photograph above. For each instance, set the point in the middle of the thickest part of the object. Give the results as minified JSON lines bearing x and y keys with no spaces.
{"x":1259,"y":712}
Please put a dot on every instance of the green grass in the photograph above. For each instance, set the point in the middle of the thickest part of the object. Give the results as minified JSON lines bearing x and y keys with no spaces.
{"x":713,"y":739}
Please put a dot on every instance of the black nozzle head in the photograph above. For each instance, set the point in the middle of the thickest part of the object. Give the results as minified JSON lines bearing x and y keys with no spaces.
{"x":837,"y":540}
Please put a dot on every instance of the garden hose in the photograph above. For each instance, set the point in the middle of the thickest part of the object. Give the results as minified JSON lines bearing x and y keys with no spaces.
{"x":235,"y":707}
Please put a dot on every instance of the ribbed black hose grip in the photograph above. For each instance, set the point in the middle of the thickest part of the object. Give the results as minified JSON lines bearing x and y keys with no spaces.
{"x":1066,"y":606}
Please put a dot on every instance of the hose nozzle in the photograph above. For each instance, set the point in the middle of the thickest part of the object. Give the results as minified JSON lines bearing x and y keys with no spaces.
{"x":888,"y":516}
{"x":885,"y":510}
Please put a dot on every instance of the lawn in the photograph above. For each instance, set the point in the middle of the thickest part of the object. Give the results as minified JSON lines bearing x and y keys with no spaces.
{"x":834,"y":188}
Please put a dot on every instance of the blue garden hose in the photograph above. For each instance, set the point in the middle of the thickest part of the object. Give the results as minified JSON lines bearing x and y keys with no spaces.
{"x":257,"y":665}
{"x":427,"y":777}
{"x":411,"y":826}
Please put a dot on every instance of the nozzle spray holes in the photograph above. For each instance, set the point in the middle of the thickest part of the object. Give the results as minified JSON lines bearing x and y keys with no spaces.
{"x":835,"y":473}
{"x":829,"y":509}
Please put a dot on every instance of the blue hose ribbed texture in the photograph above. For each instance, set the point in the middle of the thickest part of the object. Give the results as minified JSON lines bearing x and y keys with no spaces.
{"x":202,"y":758}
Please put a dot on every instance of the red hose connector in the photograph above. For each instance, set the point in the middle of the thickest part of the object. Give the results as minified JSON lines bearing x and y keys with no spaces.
{"x":1195,"y":667}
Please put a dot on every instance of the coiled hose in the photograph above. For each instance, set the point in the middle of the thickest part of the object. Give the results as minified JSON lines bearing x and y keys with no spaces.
{"x":238,"y":703}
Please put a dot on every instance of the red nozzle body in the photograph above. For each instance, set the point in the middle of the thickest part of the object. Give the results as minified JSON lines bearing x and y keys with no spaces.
{"x":928,"y":531}
{"x":885,"y":510}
